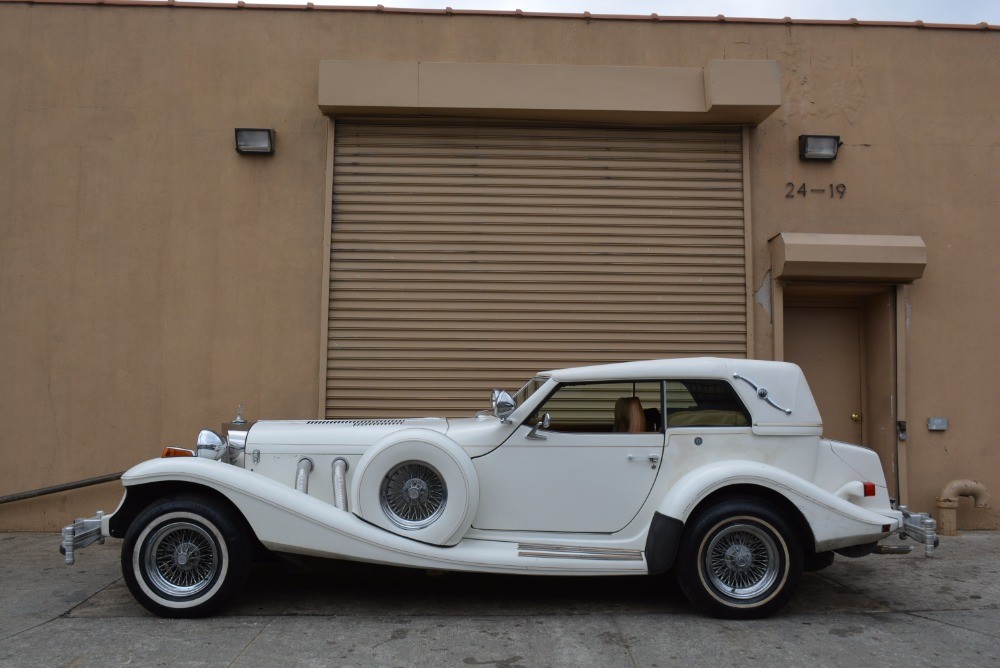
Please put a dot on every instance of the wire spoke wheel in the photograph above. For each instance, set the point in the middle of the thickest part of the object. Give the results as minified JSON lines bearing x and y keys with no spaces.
{"x":413,"y":495}
{"x":741,"y":560}
{"x":181,"y":559}
{"x":186,"y":555}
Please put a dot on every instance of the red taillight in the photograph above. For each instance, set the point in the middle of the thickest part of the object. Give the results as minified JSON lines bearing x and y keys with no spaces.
{"x":176,"y":452}
{"x":869,"y":489}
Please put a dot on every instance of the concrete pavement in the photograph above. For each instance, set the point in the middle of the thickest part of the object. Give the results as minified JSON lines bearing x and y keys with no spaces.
{"x":879,"y":610}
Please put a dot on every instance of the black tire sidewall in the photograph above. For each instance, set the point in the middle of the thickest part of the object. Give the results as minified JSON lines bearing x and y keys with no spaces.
{"x":229,"y":541}
{"x":697,"y":586}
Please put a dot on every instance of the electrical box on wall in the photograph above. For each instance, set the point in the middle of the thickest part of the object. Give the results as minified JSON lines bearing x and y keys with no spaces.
{"x":937,"y":423}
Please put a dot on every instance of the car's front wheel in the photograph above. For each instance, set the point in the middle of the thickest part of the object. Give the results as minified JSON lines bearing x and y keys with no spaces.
{"x":185,"y":557}
{"x":739,"y":559}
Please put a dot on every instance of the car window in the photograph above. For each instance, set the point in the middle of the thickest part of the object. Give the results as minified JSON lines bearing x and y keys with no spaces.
{"x":704,"y":403}
{"x":624,"y":407}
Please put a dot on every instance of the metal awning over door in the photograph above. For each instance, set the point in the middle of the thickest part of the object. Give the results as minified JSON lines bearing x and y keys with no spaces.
{"x":470,"y":255}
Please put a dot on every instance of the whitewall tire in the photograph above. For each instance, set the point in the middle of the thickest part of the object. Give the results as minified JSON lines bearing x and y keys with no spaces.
{"x":739,"y":559}
{"x":185,"y":557}
{"x":417,"y":484}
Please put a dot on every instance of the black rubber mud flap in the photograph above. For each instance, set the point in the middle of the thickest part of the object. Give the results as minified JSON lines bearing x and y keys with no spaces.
{"x":662,"y":542}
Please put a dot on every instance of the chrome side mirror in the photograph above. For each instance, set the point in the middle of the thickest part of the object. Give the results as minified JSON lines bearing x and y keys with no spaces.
{"x":503,"y":404}
{"x":542,"y":424}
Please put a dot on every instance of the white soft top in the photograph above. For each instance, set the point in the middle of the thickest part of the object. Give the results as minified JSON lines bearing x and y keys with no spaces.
{"x":785,"y":384}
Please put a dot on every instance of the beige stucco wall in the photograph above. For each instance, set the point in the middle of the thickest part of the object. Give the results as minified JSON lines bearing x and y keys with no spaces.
{"x":150,"y":277}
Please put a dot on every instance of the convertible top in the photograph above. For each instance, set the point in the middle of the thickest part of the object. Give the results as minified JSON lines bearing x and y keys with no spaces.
{"x":787,"y":401}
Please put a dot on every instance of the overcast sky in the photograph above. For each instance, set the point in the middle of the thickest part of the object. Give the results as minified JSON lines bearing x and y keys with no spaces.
{"x":929,"y":11}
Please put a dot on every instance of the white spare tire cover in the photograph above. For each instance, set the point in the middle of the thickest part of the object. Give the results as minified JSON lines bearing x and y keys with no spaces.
{"x":419,"y":484}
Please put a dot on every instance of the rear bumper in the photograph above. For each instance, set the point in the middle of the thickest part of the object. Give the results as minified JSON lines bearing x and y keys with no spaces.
{"x":921,"y":527}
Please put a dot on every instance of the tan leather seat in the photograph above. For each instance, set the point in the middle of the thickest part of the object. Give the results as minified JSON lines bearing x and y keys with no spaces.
{"x":629,"y":417}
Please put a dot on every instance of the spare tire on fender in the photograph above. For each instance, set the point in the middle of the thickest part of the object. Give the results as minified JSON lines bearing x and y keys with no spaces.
{"x":419,"y":484}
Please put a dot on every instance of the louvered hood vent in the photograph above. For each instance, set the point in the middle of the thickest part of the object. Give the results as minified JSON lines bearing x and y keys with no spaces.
{"x":362,"y":423}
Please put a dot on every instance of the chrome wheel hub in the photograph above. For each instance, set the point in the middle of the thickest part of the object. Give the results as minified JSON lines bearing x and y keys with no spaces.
{"x":181,"y":559}
{"x":416,"y":490}
{"x":741,"y":561}
{"x":738,"y":558}
{"x":413,"y":495}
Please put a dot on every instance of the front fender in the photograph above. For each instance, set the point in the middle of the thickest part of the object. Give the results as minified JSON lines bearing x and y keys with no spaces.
{"x":287,"y":520}
{"x":834,"y":522}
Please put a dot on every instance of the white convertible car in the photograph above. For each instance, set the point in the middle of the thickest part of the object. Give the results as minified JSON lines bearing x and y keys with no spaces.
{"x":714,"y":469}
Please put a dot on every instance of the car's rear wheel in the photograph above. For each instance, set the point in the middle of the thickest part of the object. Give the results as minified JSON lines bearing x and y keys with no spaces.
{"x":185,"y":557}
{"x":739,"y":559}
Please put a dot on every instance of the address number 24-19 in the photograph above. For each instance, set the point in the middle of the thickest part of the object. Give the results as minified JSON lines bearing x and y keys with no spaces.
{"x":835,"y":190}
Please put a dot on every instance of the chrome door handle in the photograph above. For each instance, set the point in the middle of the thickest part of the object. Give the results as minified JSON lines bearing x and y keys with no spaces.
{"x":653,"y":459}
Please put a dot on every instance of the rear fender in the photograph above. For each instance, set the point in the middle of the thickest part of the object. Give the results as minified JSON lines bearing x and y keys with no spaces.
{"x":834,"y":521}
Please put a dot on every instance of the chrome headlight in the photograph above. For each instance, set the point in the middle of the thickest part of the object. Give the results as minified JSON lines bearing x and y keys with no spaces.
{"x":211,"y":445}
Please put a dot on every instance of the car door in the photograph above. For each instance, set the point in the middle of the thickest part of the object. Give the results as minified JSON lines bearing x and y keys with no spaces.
{"x":589,"y":471}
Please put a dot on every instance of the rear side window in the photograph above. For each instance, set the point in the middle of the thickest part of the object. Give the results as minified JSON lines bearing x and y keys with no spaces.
{"x":704,"y":403}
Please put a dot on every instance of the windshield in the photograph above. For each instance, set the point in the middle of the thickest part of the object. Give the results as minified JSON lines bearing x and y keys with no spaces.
{"x":529,"y":388}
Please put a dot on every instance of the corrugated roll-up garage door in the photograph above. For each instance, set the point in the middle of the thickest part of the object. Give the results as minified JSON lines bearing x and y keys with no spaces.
{"x":470,"y":255}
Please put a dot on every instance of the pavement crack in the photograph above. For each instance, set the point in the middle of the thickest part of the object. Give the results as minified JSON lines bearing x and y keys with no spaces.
{"x":30,"y":628}
{"x":951,"y":624}
{"x":623,"y":641}
{"x":99,"y":591}
{"x":62,"y":615}
{"x":250,"y":642}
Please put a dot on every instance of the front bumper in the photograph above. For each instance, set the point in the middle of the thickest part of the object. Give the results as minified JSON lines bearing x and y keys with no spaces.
{"x":81,"y":533}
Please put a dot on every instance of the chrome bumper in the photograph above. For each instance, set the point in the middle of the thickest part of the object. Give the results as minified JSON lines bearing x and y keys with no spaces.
{"x":80,"y":534}
{"x":921,"y":527}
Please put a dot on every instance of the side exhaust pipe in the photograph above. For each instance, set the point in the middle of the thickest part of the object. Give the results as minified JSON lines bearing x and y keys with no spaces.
{"x":340,"y":467}
{"x":305,"y":467}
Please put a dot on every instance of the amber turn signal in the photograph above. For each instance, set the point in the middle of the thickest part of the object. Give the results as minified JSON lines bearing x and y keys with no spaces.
{"x":176,"y":452}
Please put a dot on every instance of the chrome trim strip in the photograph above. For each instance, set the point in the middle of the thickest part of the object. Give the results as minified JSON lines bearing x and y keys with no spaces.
{"x":577,"y":552}
{"x":589,"y":557}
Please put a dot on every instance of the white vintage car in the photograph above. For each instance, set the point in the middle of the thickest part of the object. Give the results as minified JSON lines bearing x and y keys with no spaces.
{"x":712,"y":468}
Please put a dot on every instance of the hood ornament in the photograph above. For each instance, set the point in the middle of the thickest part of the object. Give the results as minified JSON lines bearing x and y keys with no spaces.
{"x":239,"y":419}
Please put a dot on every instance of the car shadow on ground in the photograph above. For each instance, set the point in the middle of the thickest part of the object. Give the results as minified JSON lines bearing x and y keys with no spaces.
{"x":324,"y":587}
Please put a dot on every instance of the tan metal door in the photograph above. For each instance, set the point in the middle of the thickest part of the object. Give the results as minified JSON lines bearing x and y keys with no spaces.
{"x":826,"y":343}
{"x":467,"y":255}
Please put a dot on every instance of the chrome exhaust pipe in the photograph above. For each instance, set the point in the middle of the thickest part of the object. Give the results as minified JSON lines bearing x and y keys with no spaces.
{"x":305,"y":467}
{"x":340,"y":467}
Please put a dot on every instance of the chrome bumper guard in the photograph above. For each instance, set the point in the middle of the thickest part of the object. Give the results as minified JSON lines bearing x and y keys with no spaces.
{"x":921,"y":527}
{"x":80,"y":534}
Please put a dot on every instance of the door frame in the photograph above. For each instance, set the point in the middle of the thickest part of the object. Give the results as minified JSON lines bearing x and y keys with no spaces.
{"x":829,"y":293}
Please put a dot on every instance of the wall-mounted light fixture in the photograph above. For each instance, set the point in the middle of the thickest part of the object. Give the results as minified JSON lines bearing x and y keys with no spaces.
{"x":818,"y":147}
{"x":255,"y":140}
